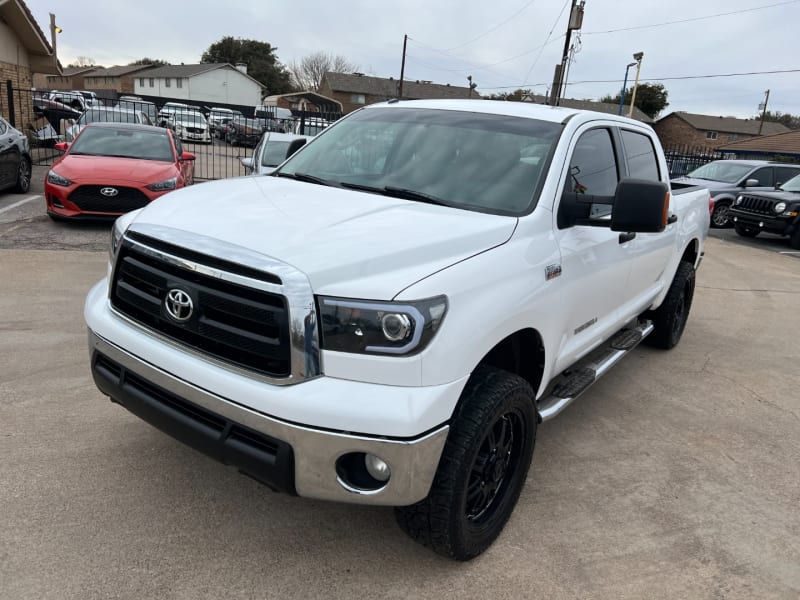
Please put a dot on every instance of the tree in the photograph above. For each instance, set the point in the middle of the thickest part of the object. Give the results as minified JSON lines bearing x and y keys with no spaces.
{"x":791,"y":121}
{"x":82,"y":61}
{"x":262,"y":64}
{"x":515,"y":96}
{"x":156,"y":62}
{"x":307,"y":73}
{"x":651,"y":98}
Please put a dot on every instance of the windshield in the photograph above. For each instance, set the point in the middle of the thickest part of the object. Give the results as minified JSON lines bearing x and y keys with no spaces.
{"x":108,"y":116}
{"x":146,"y":107}
{"x":464,"y":159}
{"x":251,"y":123}
{"x":725,"y":172}
{"x":123,"y":143}
{"x":274,"y":153}
{"x":793,"y":185}
{"x":190,"y":118}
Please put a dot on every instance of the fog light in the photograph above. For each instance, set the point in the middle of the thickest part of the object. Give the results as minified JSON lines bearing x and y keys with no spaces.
{"x":377,"y":468}
{"x":761,"y":224}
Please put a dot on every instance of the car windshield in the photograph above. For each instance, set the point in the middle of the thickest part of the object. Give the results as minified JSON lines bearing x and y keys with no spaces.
{"x":188,"y":117}
{"x":147,"y":108}
{"x":793,"y":185}
{"x":107,"y":116}
{"x":462,"y":159}
{"x":123,"y":143}
{"x":251,"y":123}
{"x":274,"y":153}
{"x":725,"y":172}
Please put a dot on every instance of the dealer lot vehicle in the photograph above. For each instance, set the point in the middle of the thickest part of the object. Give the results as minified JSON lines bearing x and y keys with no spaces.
{"x":105,"y":115}
{"x":113,"y":168}
{"x":271,"y":151}
{"x":191,"y":126}
{"x":135,"y":103}
{"x":773,"y":212}
{"x":15,"y":159}
{"x":726,"y":179}
{"x":387,"y":318}
{"x":243,"y":132}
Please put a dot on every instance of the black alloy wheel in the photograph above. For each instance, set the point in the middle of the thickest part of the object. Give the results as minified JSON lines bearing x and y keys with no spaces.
{"x":23,"y":176}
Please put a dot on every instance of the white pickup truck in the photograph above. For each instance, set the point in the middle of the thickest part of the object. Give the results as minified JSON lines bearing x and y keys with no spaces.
{"x":388,"y":317}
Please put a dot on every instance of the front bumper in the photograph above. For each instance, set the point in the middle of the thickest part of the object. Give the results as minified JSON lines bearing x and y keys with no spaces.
{"x":770,"y":223}
{"x":286,"y":456}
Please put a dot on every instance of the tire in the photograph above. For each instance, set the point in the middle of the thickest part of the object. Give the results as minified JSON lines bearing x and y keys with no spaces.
{"x":794,"y":241}
{"x":719,"y":217}
{"x":670,"y":318}
{"x":23,"y":176}
{"x":482,"y":470}
{"x":748,"y":232}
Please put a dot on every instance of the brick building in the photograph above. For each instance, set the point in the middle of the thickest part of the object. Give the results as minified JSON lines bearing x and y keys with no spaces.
{"x":119,"y":79}
{"x":70,"y":78}
{"x":687,"y":129}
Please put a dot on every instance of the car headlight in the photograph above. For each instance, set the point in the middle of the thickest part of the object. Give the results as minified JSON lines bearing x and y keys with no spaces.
{"x":56,"y":179}
{"x":167,"y":184}
{"x":779,"y":207}
{"x":739,"y":200}
{"x":371,"y":327}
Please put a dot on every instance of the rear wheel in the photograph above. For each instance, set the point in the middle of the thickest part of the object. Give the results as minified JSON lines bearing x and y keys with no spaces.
{"x":483,"y":467}
{"x":23,"y":176}
{"x":748,"y":232}
{"x":719,"y":217}
{"x":670,"y":318}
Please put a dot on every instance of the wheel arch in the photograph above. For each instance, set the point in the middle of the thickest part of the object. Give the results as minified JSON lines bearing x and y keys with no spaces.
{"x":521,"y":353}
{"x":691,"y":253}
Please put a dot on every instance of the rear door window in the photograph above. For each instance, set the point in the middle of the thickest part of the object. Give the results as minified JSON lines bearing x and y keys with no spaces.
{"x":640,"y":155}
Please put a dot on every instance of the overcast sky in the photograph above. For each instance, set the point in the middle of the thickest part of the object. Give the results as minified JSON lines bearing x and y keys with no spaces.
{"x":504,"y":44}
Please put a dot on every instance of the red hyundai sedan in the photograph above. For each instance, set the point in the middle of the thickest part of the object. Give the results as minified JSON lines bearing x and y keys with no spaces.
{"x":113,"y":168}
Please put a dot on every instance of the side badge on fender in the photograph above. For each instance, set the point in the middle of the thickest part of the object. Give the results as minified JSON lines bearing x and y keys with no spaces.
{"x":551,"y":272}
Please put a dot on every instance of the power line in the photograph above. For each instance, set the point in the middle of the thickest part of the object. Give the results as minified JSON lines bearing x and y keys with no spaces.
{"x":725,"y":14}
{"x":547,"y":40}
{"x":495,"y":28}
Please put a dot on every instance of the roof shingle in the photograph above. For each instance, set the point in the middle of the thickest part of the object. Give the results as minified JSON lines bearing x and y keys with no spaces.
{"x":388,"y":88}
{"x":728,"y":124}
{"x":780,"y":143}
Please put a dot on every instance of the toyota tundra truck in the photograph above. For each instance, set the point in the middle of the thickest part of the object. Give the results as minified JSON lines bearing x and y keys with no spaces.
{"x":389,"y":316}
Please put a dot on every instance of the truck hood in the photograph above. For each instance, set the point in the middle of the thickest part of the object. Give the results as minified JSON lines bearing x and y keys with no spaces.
{"x":348,"y":243}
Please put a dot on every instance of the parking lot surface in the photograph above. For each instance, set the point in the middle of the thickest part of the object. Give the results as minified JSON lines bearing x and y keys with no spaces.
{"x":676,"y":476}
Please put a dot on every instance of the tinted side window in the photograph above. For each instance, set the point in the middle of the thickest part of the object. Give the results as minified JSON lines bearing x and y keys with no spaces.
{"x":2,"y":127}
{"x":178,"y":146}
{"x":593,"y":168}
{"x":642,"y":161}
{"x":784,"y":174}
{"x":764,"y":177}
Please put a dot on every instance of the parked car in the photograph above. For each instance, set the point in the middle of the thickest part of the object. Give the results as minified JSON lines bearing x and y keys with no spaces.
{"x":105,"y":115}
{"x":392,"y":330}
{"x":168,"y":110}
{"x":15,"y":159}
{"x":91,"y":98}
{"x":244,"y":132}
{"x":310,"y":126}
{"x":775,"y":212}
{"x":726,"y":179}
{"x":137,"y":104}
{"x":191,"y":126}
{"x":218,"y":114}
{"x":113,"y":168}
{"x":271,"y":151}
{"x":75,"y":100}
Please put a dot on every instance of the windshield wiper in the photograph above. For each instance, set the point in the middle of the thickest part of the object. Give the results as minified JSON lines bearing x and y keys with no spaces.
{"x":407,"y":194}
{"x":308,"y":178}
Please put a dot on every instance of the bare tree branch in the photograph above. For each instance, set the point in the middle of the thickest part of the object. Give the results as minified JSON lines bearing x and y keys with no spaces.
{"x":307,"y":73}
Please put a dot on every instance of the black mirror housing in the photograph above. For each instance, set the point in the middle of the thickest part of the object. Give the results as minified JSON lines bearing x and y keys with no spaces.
{"x":641,"y":206}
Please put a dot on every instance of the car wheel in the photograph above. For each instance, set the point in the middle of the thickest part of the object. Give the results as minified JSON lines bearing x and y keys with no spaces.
{"x":794,"y":241}
{"x":719,"y":217}
{"x":670,"y":318}
{"x":23,"y":176}
{"x":483,"y":467}
{"x":748,"y":232}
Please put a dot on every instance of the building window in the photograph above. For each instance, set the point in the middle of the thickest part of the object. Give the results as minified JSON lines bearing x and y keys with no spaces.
{"x":179,"y":82}
{"x":152,"y":82}
{"x":733,"y":137}
{"x":167,"y":82}
{"x":141,"y":81}
{"x":711,"y":135}
{"x":358,"y":99}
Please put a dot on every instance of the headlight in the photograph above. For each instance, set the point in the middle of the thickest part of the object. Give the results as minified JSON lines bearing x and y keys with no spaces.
{"x":116,"y":236}
{"x":161,"y":186}
{"x":370,"y":327}
{"x":779,"y":207}
{"x":738,"y":200}
{"x":56,"y":179}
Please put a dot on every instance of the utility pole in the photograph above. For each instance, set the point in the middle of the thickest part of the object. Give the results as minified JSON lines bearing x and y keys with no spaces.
{"x":763,"y":108}
{"x":403,"y":65}
{"x":575,"y":22}
{"x":638,"y":58}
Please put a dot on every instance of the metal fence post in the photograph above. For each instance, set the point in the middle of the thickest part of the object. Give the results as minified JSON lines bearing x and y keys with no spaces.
{"x":12,"y":118}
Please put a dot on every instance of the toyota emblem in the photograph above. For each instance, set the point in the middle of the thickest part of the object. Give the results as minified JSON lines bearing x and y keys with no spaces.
{"x":178,"y":305}
{"x":109,"y":191}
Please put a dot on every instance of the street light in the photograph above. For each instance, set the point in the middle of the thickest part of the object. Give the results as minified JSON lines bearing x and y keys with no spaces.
{"x":624,"y":85}
{"x":638,"y":58}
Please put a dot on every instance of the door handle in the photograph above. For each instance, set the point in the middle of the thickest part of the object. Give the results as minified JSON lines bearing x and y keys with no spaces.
{"x":626,"y":237}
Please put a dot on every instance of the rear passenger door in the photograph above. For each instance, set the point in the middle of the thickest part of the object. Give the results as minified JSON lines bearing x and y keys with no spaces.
{"x":784,"y":174}
{"x":650,"y":252}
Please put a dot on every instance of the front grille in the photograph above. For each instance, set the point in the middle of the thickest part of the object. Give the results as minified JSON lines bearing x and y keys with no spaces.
{"x":195,"y":129}
{"x":89,"y":198}
{"x":244,"y":326}
{"x":756,"y":205}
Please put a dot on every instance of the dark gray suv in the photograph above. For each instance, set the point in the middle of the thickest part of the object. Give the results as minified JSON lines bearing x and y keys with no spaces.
{"x":15,"y":159}
{"x":726,"y":179}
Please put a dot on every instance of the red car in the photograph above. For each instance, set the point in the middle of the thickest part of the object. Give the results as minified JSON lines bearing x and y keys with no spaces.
{"x":113,"y":168}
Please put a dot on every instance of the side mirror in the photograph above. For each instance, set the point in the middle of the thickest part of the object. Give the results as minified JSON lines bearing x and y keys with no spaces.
{"x":247,"y":162}
{"x":294,"y":146}
{"x":187,"y":156}
{"x":752,"y":183}
{"x":640,"y":206}
{"x":62,"y":146}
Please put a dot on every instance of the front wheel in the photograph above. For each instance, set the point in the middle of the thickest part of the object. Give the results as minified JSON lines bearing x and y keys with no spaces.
{"x":719,"y":217}
{"x":670,"y":318}
{"x":794,"y":241}
{"x":23,"y":176}
{"x":748,"y":232}
{"x":483,"y":467}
